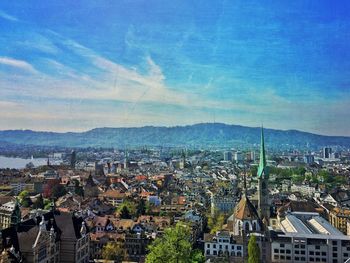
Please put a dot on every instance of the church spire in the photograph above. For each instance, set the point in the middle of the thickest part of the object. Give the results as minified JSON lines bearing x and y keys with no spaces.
{"x":263,"y":192}
{"x":262,"y":163}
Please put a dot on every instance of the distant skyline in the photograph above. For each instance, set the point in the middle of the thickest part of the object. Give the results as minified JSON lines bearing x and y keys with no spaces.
{"x":77,"y":65}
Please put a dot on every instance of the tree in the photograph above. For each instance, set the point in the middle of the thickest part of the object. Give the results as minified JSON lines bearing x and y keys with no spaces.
{"x":130,"y":207}
{"x":39,"y":203}
{"x":141,"y":208}
{"x":26,"y":202}
{"x":58,"y":190}
{"x":113,"y":251}
{"x":216,"y":222}
{"x":124,"y":213}
{"x":174,"y":247}
{"x":253,"y":250}
{"x":24,"y":194}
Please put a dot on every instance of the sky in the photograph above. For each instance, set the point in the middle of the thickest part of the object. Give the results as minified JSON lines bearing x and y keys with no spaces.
{"x":76,"y":65}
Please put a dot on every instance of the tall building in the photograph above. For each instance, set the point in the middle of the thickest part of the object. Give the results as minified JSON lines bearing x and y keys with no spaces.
{"x":10,"y":214}
{"x":263,"y":176}
{"x":73,"y":159}
{"x":228,"y":156}
{"x":309,"y":159}
{"x":239,"y":157}
{"x":327,"y":152}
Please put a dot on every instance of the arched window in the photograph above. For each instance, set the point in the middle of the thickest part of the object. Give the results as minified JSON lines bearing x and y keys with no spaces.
{"x":254,"y":226}
{"x":239,"y":254}
{"x":246,"y":226}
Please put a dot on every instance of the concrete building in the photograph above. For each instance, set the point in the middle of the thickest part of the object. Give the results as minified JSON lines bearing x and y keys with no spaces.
{"x":239,"y":157}
{"x":309,"y":159}
{"x":10,"y":214}
{"x":308,"y":237}
{"x":222,"y":244}
{"x":327,"y":152}
{"x":228,"y":156}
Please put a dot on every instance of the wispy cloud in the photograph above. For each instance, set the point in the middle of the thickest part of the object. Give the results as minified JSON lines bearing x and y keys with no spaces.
{"x":8,"y":17}
{"x":20,"y":64}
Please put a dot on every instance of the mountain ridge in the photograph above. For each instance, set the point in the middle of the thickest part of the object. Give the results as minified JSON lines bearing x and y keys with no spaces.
{"x":200,"y":134}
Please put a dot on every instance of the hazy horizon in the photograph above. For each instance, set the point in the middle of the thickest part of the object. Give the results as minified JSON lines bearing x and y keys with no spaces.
{"x":167,"y":126}
{"x":75,"y":66}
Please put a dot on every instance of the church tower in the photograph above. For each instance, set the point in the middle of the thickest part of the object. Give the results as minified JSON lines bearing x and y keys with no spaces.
{"x":263,"y":177}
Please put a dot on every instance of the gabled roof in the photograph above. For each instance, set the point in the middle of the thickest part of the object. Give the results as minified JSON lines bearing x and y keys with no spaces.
{"x":245,"y":210}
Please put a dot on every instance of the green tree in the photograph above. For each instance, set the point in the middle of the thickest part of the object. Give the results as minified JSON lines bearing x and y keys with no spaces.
{"x":114,"y":251}
{"x":124,"y":213}
{"x":253,"y":250}
{"x":131,"y":207}
{"x":39,"y":203}
{"x":141,"y":208}
{"x":58,"y":190}
{"x":24,"y":194}
{"x":216,"y":222}
{"x":174,"y":247}
{"x":26,"y":202}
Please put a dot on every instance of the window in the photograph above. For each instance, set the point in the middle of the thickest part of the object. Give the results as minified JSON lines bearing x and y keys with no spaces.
{"x":317,"y":247}
{"x":297,"y":252}
{"x":208,"y":252}
{"x":275,"y":257}
{"x":281,"y":245}
{"x":282,"y":251}
{"x":324,"y":254}
{"x":317,"y":253}
{"x":239,"y":254}
{"x":302,"y":246}
{"x":334,"y":243}
{"x":288,"y":257}
{"x":208,"y":245}
{"x":239,"y":247}
{"x":311,"y":259}
{"x":302,"y":252}
{"x":275,"y":250}
{"x":42,"y":253}
{"x":288,"y":251}
{"x":296,"y":258}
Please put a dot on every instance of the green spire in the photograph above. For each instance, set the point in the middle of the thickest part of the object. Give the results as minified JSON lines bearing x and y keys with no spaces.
{"x":262,"y":164}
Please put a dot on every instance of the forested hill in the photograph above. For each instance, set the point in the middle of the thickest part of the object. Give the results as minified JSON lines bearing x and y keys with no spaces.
{"x":200,"y":135}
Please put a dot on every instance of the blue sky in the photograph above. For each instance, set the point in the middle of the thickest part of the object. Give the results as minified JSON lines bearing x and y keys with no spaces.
{"x":75,"y":65}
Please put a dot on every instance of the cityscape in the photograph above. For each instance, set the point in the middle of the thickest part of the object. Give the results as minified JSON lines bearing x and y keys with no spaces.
{"x":153,"y":132}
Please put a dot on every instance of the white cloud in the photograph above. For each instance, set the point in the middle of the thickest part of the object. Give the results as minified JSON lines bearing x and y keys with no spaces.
{"x":8,"y":17}
{"x":20,"y":64}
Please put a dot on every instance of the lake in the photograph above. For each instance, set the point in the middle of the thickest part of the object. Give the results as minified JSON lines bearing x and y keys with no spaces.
{"x":19,"y":163}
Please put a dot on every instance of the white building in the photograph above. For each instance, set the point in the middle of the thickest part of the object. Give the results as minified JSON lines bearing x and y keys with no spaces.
{"x":221,"y":244}
{"x":307,"y":237}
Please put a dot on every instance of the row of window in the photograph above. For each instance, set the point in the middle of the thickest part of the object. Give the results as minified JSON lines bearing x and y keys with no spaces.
{"x":226,"y":247}
{"x":221,"y":253}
